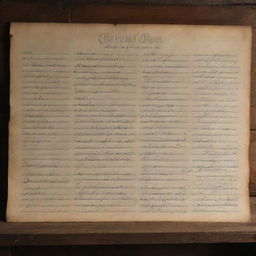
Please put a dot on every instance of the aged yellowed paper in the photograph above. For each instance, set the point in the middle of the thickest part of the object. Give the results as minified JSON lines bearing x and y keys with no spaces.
{"x":129,"y":123}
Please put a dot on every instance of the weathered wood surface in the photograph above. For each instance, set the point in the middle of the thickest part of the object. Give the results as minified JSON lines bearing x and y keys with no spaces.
{"x":252,"y":160}
{"x":147,"y":2}
{"x":208,"y":15}
{"x":173,"y":2}
{"x":127,"y":232}
{"x":253,"y":118}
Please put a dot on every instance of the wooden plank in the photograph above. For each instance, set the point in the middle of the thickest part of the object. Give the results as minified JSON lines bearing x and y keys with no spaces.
{"x":151,"y":2}
{"x":127,"y":232}
{"x":253,"y":72}
{"x":41,"y":11}
{"x":253,"y":118}
{"x":252,"y":160}
{"x":174,"y":2}
{"x":252,"y":146}
{"x":232,"y":15}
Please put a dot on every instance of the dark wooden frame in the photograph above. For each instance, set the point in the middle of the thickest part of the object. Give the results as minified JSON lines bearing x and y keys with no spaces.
{"x":122,"y":232}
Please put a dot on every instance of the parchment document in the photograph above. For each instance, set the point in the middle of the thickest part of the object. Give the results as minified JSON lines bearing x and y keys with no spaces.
{"x":129,"y":123}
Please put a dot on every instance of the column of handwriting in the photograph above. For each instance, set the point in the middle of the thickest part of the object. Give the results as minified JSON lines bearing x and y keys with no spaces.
{"x":45,"y":99}
{"x":163,"y":128}
{"x":215,"y":106}
{"x":104,"y":132}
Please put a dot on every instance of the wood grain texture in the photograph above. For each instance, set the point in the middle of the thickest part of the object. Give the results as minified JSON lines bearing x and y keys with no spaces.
{"x":253,"y":77}
{"x":151,"y":2}
{"x":172,"y":2}
{"x":127,"y":232}
{"x":208,"y":15}
{"x":253,"y":118}
{"x":252,"y":160}
{"x":252,"y":150}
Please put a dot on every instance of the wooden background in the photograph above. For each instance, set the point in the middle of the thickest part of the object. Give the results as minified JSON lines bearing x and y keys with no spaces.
{"x":170,"y":238}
